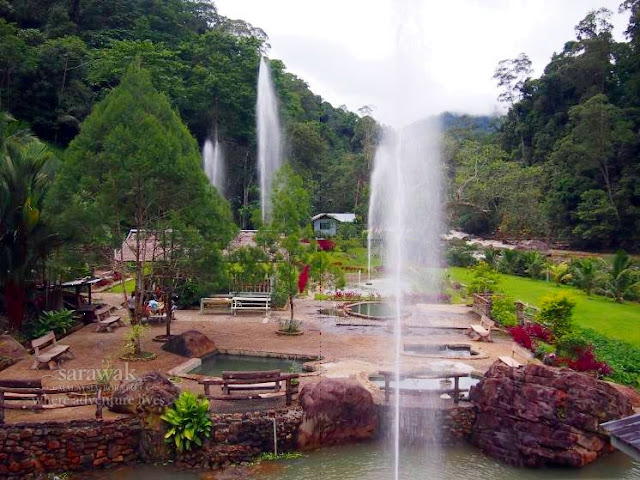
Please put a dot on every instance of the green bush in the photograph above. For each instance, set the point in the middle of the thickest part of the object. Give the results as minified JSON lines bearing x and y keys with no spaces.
{"x":460,"y":254}
{"x":503,"y":310}
{"x":60,"y":321}
{"x":189,"y":422}
{"x":556,"y":313}
{"x":543,"y":348}
{"x":483,"y":279}
{"x":571,"y":344}
{"x":623,"y":358}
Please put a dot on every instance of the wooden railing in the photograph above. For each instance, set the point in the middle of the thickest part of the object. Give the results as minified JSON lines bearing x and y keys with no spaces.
{"x":41,"y":401}
{"x":482,"y":304}
{"x":455,"y":392}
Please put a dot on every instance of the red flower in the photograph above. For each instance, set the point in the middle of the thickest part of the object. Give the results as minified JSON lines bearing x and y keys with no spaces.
{"x":303,"y":278}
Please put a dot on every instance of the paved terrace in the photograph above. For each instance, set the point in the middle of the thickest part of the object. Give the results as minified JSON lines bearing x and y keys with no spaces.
{"x":352,"y":351}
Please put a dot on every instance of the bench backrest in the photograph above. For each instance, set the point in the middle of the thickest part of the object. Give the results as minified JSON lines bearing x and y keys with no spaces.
{"x":264,"y":376}
{"x":486,"y":322}
{"x":31,"y":383}
{"x":43,"y":341}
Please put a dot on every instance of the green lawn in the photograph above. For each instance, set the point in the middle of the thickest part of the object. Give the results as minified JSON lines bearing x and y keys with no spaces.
{"x":615,"y":320}
{"x":354,"y":258}
{"x":129,"y":286}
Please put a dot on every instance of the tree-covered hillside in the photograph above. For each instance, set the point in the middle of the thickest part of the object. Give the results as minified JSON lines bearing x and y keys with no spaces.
{"x":59,"y":57}
{"x":564,"y":164}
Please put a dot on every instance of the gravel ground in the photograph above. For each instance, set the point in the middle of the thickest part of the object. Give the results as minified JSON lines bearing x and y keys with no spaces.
{"x":348,"y":351}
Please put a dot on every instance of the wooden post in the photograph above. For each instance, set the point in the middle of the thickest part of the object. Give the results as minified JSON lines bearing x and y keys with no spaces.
{"x":99,"y":405}
{"x":288,"y":392}
{"x":1,"y":408}
{"x":456,"y":389}
{"x":207,"y":389}
{"x":386,"y":388}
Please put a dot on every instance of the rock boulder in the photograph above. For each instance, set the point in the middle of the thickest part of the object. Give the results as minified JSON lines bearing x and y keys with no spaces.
{"x":334,"y":412}
{"x":151,"y":392}
{"x":11,"y":348}
{"x":537,"y":415}
{"x":190,"y":344}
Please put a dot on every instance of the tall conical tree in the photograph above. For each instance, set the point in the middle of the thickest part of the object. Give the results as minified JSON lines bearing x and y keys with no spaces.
{"x":135,"y":165}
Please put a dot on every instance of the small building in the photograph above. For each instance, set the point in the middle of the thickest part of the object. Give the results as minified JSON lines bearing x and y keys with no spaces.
{"x":327,"y":224}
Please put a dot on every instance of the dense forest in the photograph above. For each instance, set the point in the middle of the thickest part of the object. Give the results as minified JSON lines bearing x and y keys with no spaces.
{"x":564,"y":161}
{"x":58,"y":58}
{"x":561,"y":165}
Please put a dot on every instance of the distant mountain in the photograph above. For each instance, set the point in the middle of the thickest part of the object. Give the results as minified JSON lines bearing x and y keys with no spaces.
{"x":480,"y":124}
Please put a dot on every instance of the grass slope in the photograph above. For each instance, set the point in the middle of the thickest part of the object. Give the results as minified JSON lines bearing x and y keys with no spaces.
{"x":614,"y":320}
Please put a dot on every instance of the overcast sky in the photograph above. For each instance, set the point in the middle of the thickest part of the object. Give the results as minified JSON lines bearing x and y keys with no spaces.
{"x":408,"y":59}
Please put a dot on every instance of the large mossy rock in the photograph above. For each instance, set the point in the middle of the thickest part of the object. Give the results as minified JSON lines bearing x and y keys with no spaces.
{"x":335,"y":412}
{"x":151,"y":392}
{"x":191,"y":343}
{"x":536,"y":415}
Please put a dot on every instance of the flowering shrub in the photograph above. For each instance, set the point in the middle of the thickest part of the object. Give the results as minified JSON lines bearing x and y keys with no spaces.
{"x":326,"y":245}
{"x":522,"y":337}
{"x":586,"y":362}
{"x":303,"y":279}
{"x":539,"y":331}
{"x":352,"y":296}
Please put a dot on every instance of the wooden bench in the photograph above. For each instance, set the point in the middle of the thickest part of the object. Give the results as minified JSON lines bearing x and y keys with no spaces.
{"x":251,"y":303}
{"x":517,"y":350}
{"x":252,"y":385}
{"x":107,"y":323}
{"x":42,"y":403}
{"x":103,"y":312}
{"x":51,"y":355}
{"x":35,"y":383}
{"x":482,"y":330}
{"x":453,"y":390}
{"x":215,"y":305}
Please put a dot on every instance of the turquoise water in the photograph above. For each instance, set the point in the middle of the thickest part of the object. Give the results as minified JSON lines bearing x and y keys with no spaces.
{"x":374,"y":462}
{"x":214,"y":365}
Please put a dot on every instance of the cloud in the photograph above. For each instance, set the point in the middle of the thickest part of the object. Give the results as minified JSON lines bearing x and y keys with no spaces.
{"x":413,"y":58}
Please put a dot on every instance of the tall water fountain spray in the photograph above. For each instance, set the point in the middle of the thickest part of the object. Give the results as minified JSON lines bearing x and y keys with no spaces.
{"x":269,"y":135}
{"x":214,"y":163}
{"x":405,"y":212}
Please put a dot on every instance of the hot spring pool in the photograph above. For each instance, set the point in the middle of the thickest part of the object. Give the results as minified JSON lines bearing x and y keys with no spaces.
{"x":214,"y":365}
{"x":373,"y":310}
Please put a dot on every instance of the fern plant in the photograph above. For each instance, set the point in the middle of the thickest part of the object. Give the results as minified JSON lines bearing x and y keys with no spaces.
{"x":60,"y":321}
{"x":189,"y":422}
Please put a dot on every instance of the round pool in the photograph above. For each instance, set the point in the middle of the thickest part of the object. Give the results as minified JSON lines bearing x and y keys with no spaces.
{"x":374,"y":310}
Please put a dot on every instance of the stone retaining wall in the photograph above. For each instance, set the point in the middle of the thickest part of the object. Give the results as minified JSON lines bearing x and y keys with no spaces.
{"x":431,"y":425}
{"x":240,"y":437}
{"x":27,"y":449}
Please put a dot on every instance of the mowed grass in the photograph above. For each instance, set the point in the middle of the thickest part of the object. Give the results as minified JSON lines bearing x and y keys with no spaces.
{"x":615,"y":320}
{"x":129,"y":285}
{"x":355,"y":258}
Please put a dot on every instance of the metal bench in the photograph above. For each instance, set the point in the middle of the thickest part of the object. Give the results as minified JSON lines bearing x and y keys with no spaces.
{"x":51,"y":355}
{"x":251,"y":303}
{"x":482,"y":330}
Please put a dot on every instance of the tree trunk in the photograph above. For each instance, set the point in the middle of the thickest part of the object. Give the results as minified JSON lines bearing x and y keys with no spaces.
{"x":14,"y":297}
{"x":291,"y":307}
{"x":168,"y":311}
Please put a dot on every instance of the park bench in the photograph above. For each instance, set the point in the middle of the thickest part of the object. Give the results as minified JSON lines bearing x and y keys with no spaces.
{"x":105,"y":320}
{"x":17,"y":383}
{"x":517,"y":350}
{"x":450,"y":387}
{"x":482,"y":330}
{"x":253,"y":302}
{"x":40,"y":398}
{"x":51,"y":355}
{"x":252,"y":385}
{"x":215,"y":305}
